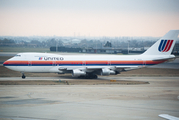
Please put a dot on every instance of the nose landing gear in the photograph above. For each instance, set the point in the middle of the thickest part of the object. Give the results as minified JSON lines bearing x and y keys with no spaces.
{"x":23,"y":76}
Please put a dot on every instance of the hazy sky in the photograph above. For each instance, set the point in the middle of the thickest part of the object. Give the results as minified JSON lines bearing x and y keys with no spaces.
{"x":88,"y":17}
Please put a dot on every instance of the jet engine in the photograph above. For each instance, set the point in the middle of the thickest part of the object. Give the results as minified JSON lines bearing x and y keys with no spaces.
{"x":77,"y":73}
{"x":107,"y":71}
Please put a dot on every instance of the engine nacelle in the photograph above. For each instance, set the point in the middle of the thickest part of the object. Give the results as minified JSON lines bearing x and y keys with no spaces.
{"x":113,"y":72}
{"x":77,"y":73}
{"x":107,"y":71}
{"x":61,"y":72}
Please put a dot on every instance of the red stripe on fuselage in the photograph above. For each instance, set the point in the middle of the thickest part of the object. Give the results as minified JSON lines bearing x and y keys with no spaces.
{"x":83,"y":62}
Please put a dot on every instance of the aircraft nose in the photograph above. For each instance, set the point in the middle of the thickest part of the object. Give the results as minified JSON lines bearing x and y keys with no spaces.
{"x":5,"y":63}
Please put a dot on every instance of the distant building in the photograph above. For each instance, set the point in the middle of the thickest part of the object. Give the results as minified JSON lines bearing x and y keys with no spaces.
{"x":102,"y":50}
{"x":108,"y":44}
{"x":75,"y":41}
{"x":176,"y":49}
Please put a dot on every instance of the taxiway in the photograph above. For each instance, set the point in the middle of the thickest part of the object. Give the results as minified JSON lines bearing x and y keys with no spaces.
{"x":100,"y":102}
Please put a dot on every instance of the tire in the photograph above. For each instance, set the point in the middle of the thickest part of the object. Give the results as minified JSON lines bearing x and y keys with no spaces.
{"x":23,"y":76}
{"x":95,"y":77}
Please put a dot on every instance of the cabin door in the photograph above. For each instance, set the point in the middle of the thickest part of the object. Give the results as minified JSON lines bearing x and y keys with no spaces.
{"x":54,"y":63}
{"x":29,"y":63}
{"x":109,"y":63}
{"x":144,"y":63}
{"x":83,"y":63}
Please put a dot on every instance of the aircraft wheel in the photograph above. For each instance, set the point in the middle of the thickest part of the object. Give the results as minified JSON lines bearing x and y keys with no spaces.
{"x":91,"y":76}
{"x":95,"y":77}
{"x":23,"y":76}
{"x":87,"y":77}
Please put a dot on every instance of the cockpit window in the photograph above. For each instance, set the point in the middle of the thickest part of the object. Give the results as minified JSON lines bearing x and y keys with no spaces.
{"x":17,"y":55}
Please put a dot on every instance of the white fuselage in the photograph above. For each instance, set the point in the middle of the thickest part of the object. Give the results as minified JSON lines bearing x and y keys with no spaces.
{"x":46,"y":62}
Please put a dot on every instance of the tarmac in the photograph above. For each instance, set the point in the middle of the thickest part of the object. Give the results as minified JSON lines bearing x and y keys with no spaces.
{"x":99,"y":102}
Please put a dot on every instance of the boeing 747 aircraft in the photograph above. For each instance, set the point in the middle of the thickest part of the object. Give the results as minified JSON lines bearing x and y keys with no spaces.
{"x":89,"y":66}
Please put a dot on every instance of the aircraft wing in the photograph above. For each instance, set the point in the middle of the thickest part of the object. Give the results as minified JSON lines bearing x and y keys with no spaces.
{"x":168,"y":117}
{"x":91,"y":72}
{"x":100,"y":70}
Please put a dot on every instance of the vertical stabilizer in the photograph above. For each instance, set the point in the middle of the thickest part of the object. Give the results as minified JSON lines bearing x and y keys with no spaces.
{"x":165,"y":45}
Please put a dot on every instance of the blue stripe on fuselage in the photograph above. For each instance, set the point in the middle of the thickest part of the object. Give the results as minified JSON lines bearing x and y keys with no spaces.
{"x":73,"y":64}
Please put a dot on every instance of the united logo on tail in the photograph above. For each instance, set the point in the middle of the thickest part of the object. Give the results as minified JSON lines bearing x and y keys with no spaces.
{"x":165,"y":45}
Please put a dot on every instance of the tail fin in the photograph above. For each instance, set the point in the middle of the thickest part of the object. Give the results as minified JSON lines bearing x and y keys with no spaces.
{"x":165,"y":45}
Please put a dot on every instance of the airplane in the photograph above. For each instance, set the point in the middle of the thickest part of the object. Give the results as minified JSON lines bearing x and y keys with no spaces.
{"x":89,"y":66}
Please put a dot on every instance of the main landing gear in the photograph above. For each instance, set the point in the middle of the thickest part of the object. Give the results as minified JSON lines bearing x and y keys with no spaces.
{"x":93,"y":76}
{"x":89,"y":76}
{"x":23,"y":76}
